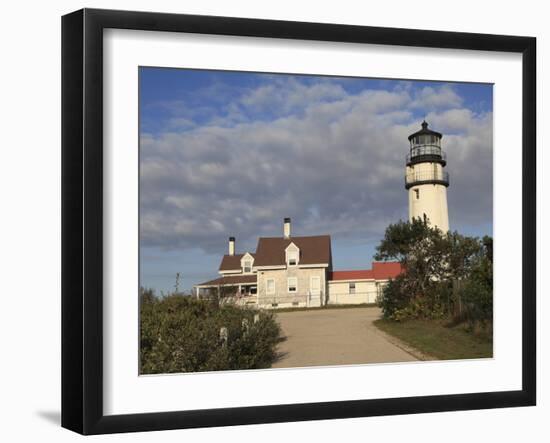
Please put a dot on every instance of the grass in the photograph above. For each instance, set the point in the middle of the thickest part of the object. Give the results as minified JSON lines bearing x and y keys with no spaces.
{"x":439,"y":340}
{"x":324,"y":308}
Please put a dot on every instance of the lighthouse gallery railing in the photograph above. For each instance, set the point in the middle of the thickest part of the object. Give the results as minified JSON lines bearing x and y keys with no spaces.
{"x":427,"y":152}
{"x":426,"y":177}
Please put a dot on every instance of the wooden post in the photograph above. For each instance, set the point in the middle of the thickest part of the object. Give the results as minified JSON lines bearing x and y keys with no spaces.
{"x":223,"y":336}
{"x":244,"y":325}
{"x":457,"y":297}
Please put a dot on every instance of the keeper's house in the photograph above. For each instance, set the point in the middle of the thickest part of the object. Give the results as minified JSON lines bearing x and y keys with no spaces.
{"x":292,"y":271}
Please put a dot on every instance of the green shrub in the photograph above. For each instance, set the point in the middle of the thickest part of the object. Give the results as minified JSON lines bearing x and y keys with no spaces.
{"x":401,"y":299}
{"x":477,"y":300}
{"x":447,"y":275}
{"x":393,"y":299}
{"x":182,"y":334}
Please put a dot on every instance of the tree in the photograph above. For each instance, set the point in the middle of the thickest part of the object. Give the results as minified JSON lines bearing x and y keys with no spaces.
{"x":399,"y":238}
{"x":477,"y":291}
{"x":433,"y":262}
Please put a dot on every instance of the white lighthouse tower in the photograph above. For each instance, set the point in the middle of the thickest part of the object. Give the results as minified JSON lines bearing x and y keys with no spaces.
{"x":426,"y":180}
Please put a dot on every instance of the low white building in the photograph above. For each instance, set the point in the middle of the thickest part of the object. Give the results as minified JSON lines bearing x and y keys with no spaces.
{"x":292,"y":271}
{"x":361,"y":286}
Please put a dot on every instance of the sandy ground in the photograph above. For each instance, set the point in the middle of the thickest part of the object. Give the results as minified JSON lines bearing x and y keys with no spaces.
{"x":335,"y":337}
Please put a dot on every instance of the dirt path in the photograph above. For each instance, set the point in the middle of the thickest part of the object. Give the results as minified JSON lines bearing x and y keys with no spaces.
{"x":335,"y":337}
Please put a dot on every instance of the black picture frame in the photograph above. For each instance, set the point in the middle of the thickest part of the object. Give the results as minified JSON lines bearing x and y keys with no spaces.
{"x":82,"y":218}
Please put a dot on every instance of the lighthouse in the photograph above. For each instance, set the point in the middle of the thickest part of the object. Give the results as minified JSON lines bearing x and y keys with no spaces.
{"x":425,"y":178}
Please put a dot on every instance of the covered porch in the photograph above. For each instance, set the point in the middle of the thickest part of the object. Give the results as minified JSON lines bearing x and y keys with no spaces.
{"x":241,"y":289}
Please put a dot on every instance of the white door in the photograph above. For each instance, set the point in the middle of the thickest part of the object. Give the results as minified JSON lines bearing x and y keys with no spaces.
{"x":315,"y":285}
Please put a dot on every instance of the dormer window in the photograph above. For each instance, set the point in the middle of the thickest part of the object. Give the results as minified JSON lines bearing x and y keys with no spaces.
{"x":247,"y":261}
{"x":292,"y":258}
{"x":292,"y":255}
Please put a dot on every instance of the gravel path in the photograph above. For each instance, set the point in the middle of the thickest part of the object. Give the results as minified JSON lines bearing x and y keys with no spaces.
{"x":328,"y":337}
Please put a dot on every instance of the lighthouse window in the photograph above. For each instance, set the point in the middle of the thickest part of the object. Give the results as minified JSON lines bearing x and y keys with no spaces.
{"x":417,"y":193}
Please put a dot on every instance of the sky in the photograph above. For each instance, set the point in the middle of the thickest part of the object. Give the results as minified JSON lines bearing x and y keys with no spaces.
{"x":233,"y":153}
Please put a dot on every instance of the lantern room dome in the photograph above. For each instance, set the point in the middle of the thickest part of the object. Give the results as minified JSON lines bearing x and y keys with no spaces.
{"x":425,"y":132}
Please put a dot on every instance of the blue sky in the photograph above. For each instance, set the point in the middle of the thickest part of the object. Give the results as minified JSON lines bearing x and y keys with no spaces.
{"x":233,"y":153}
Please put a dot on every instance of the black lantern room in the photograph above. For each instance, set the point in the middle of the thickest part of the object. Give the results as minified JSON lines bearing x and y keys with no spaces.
{"x":425,"y":146}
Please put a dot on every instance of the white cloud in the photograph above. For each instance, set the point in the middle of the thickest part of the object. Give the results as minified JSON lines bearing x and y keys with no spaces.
{"x":335,"y":164}
{"x":432,"y":97}
{"x":287,"y":94}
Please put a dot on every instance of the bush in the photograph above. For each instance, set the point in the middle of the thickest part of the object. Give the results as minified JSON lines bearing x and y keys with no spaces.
{"x":446,"y":275}
{"x":401,"y":300}
{"x":478,"y":301}
{"x":182,"y":334}
{"x":393,"y":299}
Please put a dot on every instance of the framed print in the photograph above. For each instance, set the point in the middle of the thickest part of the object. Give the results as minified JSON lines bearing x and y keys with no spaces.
{"x":269,"y":221}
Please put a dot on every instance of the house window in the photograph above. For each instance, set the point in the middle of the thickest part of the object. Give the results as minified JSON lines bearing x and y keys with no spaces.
{"x":352,"y":288}
{"x":292,"y":257}
{"x":292,"y":284}
{"x":417,"y":192}
{"x":270,"y":286}
{"x":247,"y":267}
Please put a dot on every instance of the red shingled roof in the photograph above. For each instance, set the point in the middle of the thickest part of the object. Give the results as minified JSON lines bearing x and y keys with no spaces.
{"x":379,"y":271}
{"x":386,"y":270}
{"x":365,"y":274}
